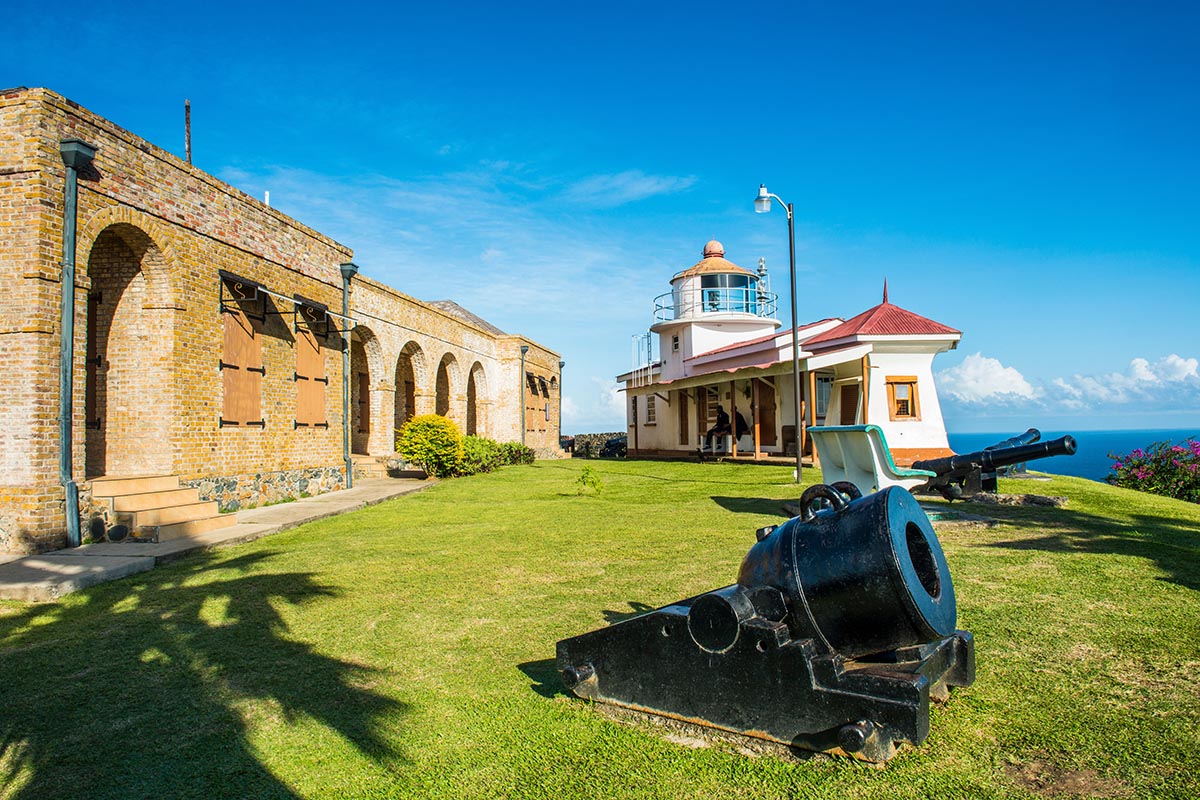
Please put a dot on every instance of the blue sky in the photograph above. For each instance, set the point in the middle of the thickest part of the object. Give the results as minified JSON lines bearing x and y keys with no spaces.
{"x":1027,"y":173}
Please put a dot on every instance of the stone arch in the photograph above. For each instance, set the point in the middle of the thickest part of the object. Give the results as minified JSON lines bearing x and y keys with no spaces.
{"x":446,"y":383}
{"x":130,"y":403}
{"x":478,"y":401}
{"x":411,"y":382}
{"x":366,"y":370}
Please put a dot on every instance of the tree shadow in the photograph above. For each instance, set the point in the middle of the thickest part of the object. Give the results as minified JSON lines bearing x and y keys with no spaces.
{"x":1172,"y":544}
{"x":152,"y":686}
{"x":771,"y":507}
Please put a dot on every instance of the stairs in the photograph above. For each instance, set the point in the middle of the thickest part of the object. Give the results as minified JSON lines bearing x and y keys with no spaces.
{"x":392,"y":466}
{"x":155,"y":507}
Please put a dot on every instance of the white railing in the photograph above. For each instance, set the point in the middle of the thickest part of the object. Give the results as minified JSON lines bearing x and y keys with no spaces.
{"x":691,"y":302}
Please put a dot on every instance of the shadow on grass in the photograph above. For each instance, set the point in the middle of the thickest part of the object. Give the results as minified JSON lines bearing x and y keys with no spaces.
{"x":771,"y":507}
{"x":646,"y":476}
{"x":546,"y":680}
{"x":153,"y":686}
{"x":1172,"y":544}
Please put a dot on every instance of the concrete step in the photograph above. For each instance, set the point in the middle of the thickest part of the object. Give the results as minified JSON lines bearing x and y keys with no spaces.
{"x":169,"y":515}
{"x":133,"y":484}
{"x":195,"y":527}
{"x":147,"y":500}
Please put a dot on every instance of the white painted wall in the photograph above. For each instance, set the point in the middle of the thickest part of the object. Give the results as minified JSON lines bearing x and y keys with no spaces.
{"x":927,"y":432}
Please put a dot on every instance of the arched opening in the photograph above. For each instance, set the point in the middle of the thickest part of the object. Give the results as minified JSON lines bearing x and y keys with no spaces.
{"x":476,"y":401}
{"x":410,"y":373}
{"x":129,"y":400}
{"x":365,"y":357}
{"x":446,"y":379}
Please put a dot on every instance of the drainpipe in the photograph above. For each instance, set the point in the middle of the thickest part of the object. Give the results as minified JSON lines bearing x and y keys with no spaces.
{"x":349,"y":270}
{"x":76,"y":155}
{"x":561,"y":364}
{"x":524,"y":350}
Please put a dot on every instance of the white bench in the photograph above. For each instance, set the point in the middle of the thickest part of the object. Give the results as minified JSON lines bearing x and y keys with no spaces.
{"x":859,"y":454}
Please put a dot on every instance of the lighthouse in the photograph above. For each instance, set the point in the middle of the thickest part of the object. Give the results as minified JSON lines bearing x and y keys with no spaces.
{"x":712,"y":304}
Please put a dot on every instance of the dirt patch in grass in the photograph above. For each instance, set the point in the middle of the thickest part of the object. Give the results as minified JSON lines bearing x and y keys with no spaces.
{"x":1046,"y":778}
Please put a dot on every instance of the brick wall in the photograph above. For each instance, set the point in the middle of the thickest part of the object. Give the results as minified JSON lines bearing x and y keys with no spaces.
{"x":155,"y":236}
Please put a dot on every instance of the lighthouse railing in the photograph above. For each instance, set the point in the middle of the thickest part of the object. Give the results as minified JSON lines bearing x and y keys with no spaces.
{"x":691,"y":302}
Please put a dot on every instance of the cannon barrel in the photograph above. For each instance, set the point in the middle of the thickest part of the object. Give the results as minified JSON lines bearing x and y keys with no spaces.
{"x":1028,"y":437}
{"x":993,"y":459}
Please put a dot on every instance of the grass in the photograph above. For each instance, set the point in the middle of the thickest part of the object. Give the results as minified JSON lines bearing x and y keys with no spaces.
{"x":406,"y":650}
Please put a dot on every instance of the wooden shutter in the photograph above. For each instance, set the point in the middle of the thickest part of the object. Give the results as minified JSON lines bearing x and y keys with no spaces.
{"x":310,"y":372}
{"x":241,"y":369}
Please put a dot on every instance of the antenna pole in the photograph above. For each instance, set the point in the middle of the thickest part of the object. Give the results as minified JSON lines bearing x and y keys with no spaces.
{"x":187,"y":129}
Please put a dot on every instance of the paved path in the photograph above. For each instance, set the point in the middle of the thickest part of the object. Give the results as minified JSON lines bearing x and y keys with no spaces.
{"x":49,"y":576}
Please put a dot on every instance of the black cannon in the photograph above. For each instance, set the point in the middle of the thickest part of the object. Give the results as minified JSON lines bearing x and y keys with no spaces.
{"x":838,"y":632}
{"x":970,"y":473}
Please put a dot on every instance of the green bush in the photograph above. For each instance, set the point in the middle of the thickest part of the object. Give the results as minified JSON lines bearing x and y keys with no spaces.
{"x":515,"y":453}
{"x":479,"y":455}
{"x":588,"y":479}
{"x":433,"y":443}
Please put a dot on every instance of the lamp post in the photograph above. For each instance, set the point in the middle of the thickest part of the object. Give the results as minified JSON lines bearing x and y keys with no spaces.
{"x":561,"y":364}
{"x":349,"y":270}
{"x":524,"y":350}
{"x":762,"y":204}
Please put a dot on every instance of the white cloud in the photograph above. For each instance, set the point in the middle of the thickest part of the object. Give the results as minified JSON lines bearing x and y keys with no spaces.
{"x":979,"y":379}
{"x":607,"y":191}
{"x":1170,"y":379}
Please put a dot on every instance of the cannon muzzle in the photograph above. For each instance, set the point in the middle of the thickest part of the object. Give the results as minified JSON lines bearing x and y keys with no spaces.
{"x":994,"y":459}
{"x":839,"y":630}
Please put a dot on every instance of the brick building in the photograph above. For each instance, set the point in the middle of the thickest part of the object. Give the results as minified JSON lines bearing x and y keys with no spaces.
{"x":206,"y":349}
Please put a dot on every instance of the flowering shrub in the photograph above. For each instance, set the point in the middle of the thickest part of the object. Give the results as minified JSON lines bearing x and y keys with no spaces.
{"x":1162,"y":468}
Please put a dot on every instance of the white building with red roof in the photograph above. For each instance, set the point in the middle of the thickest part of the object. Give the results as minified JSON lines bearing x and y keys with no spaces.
{"x":720,"y":345}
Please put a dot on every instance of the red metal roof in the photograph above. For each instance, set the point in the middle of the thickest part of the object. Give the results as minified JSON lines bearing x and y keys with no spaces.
{"x":884,"y":319}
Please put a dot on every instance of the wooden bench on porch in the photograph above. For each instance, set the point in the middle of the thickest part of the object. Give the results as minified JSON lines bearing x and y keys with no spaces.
{"x":859,"y":454}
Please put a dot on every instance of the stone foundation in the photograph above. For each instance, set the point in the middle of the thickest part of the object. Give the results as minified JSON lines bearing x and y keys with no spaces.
{"x":249,"y":491}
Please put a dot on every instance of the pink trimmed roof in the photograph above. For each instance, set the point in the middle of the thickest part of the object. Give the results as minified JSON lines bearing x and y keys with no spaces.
{"x":884,"y":319}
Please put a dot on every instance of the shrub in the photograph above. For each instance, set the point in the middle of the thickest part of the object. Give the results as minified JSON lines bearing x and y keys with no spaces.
{"x":515,"y":453}
{"x":1162,"y":468}
{"x":588,"y":479}
{"x":432,"y":442}
{"x":479,"y":455}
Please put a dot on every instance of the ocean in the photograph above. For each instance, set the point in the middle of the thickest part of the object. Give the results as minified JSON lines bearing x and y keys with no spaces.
{"x":1091,"y":459}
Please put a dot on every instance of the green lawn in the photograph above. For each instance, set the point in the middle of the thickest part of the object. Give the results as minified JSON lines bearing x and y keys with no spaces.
{"x":407,"y":651}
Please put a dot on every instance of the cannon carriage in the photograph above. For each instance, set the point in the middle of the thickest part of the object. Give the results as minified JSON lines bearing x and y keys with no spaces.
{"x":840,"y":630}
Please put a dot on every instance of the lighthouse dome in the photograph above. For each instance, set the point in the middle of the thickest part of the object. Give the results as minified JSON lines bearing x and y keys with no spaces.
{"x":713,"y":263}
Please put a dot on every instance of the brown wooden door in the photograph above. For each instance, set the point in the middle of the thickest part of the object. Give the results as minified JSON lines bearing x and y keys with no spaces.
{"x":849,"y":404}
{"x":684,"y":432}
{"x":766,"y":414}
{"x":364,"y":402}
{"x":701,"y":412}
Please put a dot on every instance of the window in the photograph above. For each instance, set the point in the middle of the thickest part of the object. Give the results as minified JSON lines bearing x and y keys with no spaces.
{"x":902,"y":397}
{"x":633,"y":411}
{"x":824,"y":391}
{"x":651,"y":412}
{"x":675,"y":343}
{"x":311,"y":381}
{"x":241,"y":363}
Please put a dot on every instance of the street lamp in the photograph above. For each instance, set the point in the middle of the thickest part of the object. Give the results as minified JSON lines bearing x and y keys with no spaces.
{"x":348,"y":270}
{"x":762,"y":204}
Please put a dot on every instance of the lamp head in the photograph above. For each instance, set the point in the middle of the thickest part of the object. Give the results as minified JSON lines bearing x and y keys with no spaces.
{"x":762,"y":203}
